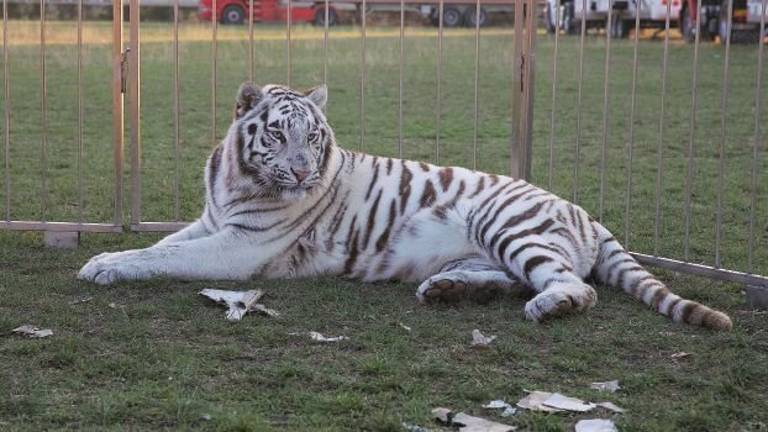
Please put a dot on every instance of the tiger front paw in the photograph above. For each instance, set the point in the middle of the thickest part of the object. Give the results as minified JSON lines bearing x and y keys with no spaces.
{"x":108,"y":268}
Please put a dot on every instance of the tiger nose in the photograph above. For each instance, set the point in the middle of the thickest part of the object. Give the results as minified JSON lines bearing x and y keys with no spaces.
{"x":300,"y":174}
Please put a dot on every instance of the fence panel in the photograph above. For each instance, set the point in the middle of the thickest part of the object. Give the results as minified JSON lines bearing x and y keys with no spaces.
{"x":57,"y":78}
{"x":670,"y":155}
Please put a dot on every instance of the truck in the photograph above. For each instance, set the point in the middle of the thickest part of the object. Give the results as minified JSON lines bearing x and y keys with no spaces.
{"x":236,"y":11}
{"x":745,"y":26}
{"x":652,"y":15}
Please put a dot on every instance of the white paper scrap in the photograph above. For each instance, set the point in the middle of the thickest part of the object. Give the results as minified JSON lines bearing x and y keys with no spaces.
{"x":595,"y":425}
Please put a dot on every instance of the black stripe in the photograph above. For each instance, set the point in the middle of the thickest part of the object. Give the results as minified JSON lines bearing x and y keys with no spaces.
{"x":371,"y":219}
{"x":381,"y":243}
{"x":259,"y":210}
{"x":213,"y":171}
{"x":614,"y":265}
{"x":534,"y":262}
{"x":253,"y":228}
{"x":507,"y":240}
{"x":513,"y":221}
{"x":525,"y":246}
{"x":373,"y":181}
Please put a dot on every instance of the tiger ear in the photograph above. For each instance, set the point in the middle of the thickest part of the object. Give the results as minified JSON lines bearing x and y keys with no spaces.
{"x":248,"y":96}
{"x":318,"y":95}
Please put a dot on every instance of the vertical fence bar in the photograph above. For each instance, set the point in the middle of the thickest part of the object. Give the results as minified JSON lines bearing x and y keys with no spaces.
{"x":44,"y":114}
{"x":7,"y":113}
{"x":528,"y":86}
{"x":251,"y":56}
{"x":580,"y":91}
{"x":288,"y":44}
{"x":439,"y":90}
{"x":402,"y":75}
{"x":691,"y":136}
{"x":721,"y":149}
{"x":325,"y":45}
{"x":606,"y":81}
{"x":758,"y":140}
{"x":362,"y":73}
{"x":660,"y":145}
{"x":551,"y":165}
{"x":631,"y":144}
{"x":517,"y":92}
{"x":80,"y":114}
{"x":134,"y":103}
{"x":176,"y":115}
{"x":117,"y":106}
{"x":214,"y":68}
{"x":477,"y":80}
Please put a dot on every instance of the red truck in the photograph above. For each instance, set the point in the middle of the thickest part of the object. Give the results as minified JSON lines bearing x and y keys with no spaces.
{"x":236,"y":11}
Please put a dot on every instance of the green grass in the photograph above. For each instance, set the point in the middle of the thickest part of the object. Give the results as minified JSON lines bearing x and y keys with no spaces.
{"x":163,"y":357}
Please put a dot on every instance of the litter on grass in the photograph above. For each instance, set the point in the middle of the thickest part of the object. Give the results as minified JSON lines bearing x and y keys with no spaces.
{"x":610,"y":406}
{"x":468,"y":423}
{"x":609,"y":386}
{"x":414,"y":428}
{"x":535,"y":402}
{"x":239,"y":303}
{"x":556,"y":402}
{"x":80,"y":300}
{"x":404,"y":327}
{"x":508,"y":410}
{"x":481,"y":341}
{"x":565,"y":403}
{"x":260,"y":308}
{"x":32,"y":331}
{"x":680,"y":355}
{"x":595,"y":425}
{"x":318,"y":337}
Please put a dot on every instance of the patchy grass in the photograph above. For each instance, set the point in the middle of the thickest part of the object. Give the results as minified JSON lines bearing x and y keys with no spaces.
{"x":162,"y":358}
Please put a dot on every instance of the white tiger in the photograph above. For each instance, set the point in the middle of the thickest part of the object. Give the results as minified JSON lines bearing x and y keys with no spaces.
{"x":283,"y":200}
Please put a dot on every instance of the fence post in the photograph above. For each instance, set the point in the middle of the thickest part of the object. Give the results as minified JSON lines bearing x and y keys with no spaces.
{"x":117,"y":105}
{"x":134,"y":101}
{"x":522,"y":88}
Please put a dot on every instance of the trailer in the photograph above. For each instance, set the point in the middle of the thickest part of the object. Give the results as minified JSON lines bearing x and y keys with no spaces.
{"x":456,"y":13}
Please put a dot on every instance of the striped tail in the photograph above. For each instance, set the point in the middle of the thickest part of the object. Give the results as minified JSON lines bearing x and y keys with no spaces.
{"x":617,"y":268}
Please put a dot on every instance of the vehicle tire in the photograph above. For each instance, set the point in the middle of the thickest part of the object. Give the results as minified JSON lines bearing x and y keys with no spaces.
{"x":233,"y":14}
{"x":333,"y":17}
{"x":451,"y":17}
{"x":749,"y":36}
{"x":470,"y":16}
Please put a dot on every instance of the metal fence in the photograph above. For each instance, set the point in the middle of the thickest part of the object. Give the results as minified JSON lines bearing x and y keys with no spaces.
{"x":525,"y":144}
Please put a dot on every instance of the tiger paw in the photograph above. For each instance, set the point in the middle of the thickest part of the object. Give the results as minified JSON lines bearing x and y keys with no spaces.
{"x":451,"y":288}
{"x":109,"y":268}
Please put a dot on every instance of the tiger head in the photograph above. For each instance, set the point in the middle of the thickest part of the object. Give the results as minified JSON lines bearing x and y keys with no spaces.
{"x":283,"y":139}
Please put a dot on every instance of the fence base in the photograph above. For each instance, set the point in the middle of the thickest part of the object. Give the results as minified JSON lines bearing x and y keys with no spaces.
{"x":62,"y":239}
{"x":757,"y":297}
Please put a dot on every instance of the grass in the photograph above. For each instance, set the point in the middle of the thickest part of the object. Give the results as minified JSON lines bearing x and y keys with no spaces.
{"x":162,"y":358}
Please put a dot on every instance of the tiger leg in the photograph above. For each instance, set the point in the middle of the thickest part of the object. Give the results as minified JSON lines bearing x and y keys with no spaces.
{"x":546,"y":269}
{"x":191,"y":232}
{"x":473,"y":278}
